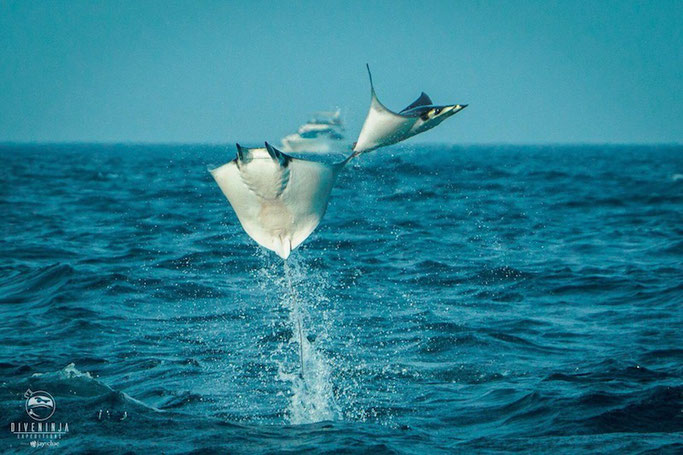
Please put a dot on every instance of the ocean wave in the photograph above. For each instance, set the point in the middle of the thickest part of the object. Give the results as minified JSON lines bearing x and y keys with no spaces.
{"x":454,"y":299}
{"x":35,"y":286}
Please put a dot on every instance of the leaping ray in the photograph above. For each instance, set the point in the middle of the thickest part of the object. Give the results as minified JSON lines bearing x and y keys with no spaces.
{"x":279,"y":200}
{"x":384,"y":127}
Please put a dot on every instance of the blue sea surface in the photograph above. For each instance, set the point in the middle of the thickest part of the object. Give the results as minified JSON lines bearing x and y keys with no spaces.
{"x":453,"y":299}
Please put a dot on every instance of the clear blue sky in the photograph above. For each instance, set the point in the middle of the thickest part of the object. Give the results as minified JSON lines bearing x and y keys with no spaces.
{"x":203,"y":71}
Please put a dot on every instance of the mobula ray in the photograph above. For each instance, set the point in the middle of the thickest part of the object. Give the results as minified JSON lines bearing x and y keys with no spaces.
{"x":384,"y":127}
{"x":278,"y":199}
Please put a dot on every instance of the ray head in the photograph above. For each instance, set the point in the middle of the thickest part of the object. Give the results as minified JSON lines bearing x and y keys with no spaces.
{"x":430,"y":116}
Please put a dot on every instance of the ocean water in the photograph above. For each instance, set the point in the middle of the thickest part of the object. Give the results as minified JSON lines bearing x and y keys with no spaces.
{"x":454,"y":299}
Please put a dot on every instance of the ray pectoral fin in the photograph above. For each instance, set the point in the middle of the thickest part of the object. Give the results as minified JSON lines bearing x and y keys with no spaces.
{"x":382,"y":126}
{"x":422,"y":100}
{"x":372,"y":87}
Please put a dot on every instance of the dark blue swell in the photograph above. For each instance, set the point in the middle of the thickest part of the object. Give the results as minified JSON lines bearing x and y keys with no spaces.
{"x":483,"y":299}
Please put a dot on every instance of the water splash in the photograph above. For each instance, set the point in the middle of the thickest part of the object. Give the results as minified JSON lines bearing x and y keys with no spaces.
{"x":300,"y":359}
{"x":311,"y":395}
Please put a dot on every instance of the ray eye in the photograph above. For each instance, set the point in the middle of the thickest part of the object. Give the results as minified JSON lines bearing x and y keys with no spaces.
{"x":436,"y":111}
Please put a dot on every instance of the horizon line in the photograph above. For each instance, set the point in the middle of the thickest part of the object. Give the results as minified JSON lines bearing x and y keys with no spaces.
{"x":232,"y":143}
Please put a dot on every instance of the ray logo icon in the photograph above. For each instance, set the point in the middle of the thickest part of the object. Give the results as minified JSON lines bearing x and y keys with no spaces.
{"x":40,"y":405}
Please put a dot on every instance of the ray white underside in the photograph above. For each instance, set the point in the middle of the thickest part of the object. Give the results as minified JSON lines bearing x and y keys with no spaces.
{"x":383,"y":127}
{"x":278,"y":206}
